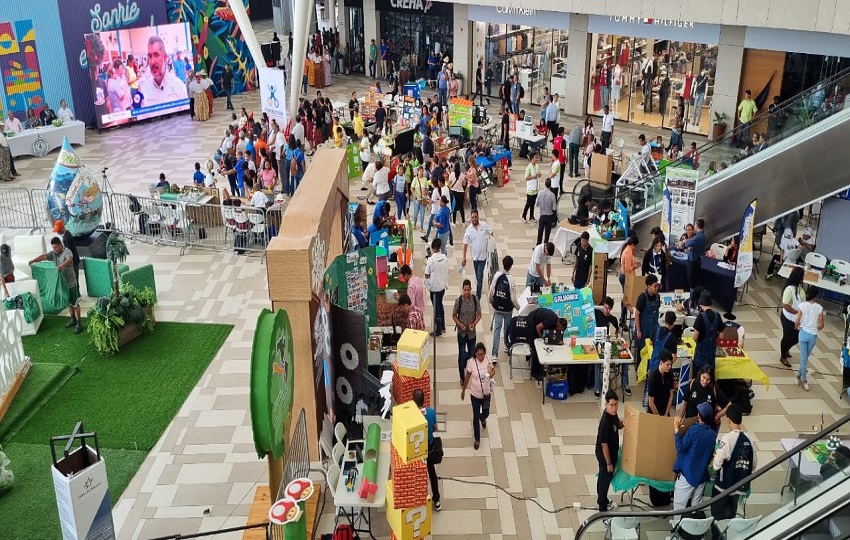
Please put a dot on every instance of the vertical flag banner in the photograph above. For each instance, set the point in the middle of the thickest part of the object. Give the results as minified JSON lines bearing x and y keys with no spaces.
{"x":745,"y":245}
{"x":623,"y":217}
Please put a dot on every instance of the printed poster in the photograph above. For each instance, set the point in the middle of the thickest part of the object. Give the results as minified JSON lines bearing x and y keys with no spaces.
{"x":744,"y":267}
{"x":680,"y":198}
{"x":351,"y":282}
{"x":460,"y":114}
{"x":576,"y":306}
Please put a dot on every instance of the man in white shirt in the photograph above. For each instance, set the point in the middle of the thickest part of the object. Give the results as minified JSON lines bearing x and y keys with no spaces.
{"x":65,"y":114}
{"x":381,"y":181}
{"x":160,"y":85}
{"x":437,"y":279}
{"x":13,"y":124}
{"x":226,"y":142}
{"x":540,"y":266}
{"x":259,"y":199}
{"x":475,"y":238}
{"x":242,"y":145}
{"x":298,"y":130}
{"x":607,"y":127}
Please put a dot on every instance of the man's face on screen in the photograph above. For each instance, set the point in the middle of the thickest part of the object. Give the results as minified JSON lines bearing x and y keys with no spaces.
{"x":156,"y":61}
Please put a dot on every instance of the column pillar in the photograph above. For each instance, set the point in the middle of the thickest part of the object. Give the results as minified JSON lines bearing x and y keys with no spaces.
{"x":578,"y":63}
{"x":370,"y":28}
{"x":344,"y":23}
{"x":301,"y":17}
{"x":461,"y":48}
{"x":727,"y":80}
{"x":330,"y":7}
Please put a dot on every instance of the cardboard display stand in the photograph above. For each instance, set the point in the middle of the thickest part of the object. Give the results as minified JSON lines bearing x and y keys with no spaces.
{"x":601,"y":167}
{"x":600,"y":277}
{"x":649,"y":445}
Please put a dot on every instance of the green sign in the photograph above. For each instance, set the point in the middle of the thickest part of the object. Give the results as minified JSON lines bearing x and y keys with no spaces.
{"x":272,"y":382}
{"x":355,"y":166}
{"x":352,"y":281}
{"x":460,"y":114}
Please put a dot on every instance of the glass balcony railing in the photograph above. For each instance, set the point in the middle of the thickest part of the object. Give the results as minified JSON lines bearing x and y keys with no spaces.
{"x":792,"y":492}
{"x":643,"y":190}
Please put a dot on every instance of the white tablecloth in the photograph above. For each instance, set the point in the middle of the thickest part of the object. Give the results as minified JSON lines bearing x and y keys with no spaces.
{"x":39,"y":142}
{"x":568,"y":233}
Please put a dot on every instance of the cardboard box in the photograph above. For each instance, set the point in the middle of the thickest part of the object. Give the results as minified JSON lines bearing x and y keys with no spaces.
{"x":408,"y":523}
{"x":599,"y":281}
{"x":413,"y":353}
{"x":649,"y":445}
{"x":635,"y":284}
{"x":82,"y":495}
{"x":403,"y":387}
{"x":601,"y":167}
{"x":410,"y":482}
{"x":410,"y":432}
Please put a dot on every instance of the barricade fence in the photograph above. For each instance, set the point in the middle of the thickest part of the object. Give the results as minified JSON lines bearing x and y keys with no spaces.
{"x":182,"y":224}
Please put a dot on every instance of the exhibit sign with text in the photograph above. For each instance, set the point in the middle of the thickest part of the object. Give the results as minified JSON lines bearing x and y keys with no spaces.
{"x":744,"y":266}
{"x":273,"y":94}
{"x":576,"y":306}
{"x":272,"y":382}
{"x":680,"y":199}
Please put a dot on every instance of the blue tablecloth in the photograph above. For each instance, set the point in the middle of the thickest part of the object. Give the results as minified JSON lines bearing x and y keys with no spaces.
{"x":489,"y":162}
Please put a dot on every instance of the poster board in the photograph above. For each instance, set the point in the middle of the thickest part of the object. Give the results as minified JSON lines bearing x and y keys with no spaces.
{"x":355,"y":166}
{"x":351,"y":279}
{"x":370,"y":102}
{"x":648,"y":435}
{"x":460,"y":114}
{"x":679,"y":201}
{"x":600,"y":281}
{"x":576,"y":306}
{"x":410,"y":113}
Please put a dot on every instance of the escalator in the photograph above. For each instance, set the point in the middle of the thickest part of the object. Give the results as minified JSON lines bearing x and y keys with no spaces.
{"x":804,"y":494}
{"x":805,"y":161}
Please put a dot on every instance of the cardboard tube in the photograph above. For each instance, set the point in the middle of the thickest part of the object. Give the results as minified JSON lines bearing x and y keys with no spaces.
{"x":373,"y":442}
{"x":297,"y":530}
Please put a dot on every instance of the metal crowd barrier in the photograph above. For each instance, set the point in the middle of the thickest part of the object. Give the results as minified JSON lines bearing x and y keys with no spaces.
{"x":181,"y":224}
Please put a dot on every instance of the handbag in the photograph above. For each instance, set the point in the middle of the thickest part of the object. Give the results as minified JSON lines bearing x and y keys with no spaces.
{"x":485,"y":407}
{"x":435,"y":452}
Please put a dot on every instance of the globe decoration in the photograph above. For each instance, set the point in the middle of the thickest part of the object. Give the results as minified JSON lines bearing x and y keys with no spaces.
{"x":73,"y":194}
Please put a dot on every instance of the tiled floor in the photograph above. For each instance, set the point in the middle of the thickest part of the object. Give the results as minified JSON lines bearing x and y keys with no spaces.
{"x":203,"y":472}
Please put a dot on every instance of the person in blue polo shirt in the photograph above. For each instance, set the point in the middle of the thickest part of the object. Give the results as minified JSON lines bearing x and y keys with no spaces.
{"x":695,"y":248}
{"x":240,"y":173}
{"x":441,"y":222}
{"x":695,"y":449}
{"x":198,"y":177}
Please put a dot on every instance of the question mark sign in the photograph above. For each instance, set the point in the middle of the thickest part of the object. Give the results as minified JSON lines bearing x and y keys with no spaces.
{"x":417,"y":524}
{"x":417,"y":438}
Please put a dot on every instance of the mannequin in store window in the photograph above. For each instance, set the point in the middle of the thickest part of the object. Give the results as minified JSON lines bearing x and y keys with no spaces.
{"x":663,"y":94}
{"x":616,"y":86}
{"x":648,"y":72}
{"x":700,"y":88}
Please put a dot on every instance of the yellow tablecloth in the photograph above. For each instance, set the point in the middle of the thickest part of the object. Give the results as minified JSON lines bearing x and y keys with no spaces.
{"x":726,"y":367}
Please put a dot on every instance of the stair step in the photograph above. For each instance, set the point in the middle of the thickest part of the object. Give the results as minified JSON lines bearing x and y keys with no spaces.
{"x":839,"y":526}
{"x":815,"y":536}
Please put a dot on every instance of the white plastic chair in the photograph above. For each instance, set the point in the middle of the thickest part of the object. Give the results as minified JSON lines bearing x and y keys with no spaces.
{"x":792,"y":256}
{"x":718,"y":250}
{"x":519,"y":349}
{"x":340,"y":432}
{"x":618,"y":146}
{"x":333,"y":482}
{"x":694,"y":527}
{"x":841,"y":266}
{"x":816,"y":260}
{"x":26,"y":248}
{"x":740,"y":528}
{"x":337,"y":453}
{"x":690,"y":321}
{"x":625,"y":528}
{"x":258,"y":225}
{"x":688,"y":332}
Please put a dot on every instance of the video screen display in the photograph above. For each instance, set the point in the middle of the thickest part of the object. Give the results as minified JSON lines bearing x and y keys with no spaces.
{"x":139,"y":73}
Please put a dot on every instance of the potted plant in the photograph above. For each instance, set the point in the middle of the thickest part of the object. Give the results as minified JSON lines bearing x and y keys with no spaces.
{"x":124,"y":315}
{"x":719,"y":125}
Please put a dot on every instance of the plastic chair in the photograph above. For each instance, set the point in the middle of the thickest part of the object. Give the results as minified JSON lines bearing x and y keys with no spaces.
{"x":688,"y":332}
{"x":816,"y":260}
{"x":718,"y":250}
{"x":694,"y":527}
{"x":624,"y":528}
{"x":333,"y":482}
{"x":618,"y":145}
{"x":740,"y":528}
{"x":340,"y":432}
{"x":483,"y":195}
{"x":337,"y":453}
{"x":792,"y":256}
{"x":520,"y":349}
{"x":690,"y":321}
{"x":841,"y":266}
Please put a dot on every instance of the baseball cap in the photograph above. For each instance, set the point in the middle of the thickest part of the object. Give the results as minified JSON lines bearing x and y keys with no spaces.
{"x":58,"y":225}
{"x":706,"y":411}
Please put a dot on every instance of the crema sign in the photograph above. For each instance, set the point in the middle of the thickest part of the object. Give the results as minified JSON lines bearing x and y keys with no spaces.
{"x":412,"y":5}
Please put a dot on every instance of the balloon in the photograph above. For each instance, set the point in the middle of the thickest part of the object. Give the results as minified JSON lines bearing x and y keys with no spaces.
{"x":73,"y":194}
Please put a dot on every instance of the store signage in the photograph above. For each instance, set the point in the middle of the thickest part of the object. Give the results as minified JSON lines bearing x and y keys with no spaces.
{"x":413,"y":5}
{"x":272,"y":382}
{"x":657,"y":22}
{"x":516,"y":11}
{"x":524,"y":16}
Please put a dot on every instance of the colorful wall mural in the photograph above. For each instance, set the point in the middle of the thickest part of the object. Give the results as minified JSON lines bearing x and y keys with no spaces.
{"x":19,"y":67}
{"x":218,"y":40}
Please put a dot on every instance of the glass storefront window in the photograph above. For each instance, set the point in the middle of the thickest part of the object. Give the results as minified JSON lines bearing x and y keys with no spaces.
{"x":410,"y":36}
{"x":681,"y":74}
{"x":539,"y":53}
{"x":356,"y":46}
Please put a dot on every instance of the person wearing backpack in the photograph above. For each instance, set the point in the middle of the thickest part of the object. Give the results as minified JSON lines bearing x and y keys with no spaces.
{"x":734,"y":460}
{"x":708,"y":325}
{"x":466,"y":313}
{"x":503,"y":301}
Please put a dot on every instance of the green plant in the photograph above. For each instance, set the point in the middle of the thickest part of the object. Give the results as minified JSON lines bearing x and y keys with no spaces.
{"x":116,"y":252}
{"x":720,"y":118}
{"x":112,"y":313}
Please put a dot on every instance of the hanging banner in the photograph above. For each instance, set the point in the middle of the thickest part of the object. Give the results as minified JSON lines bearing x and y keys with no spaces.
{"x":679,"y":205}
{"x":273,"y":94}
{"x":576,"y":306}
{"x":460,"y":114}
{"x":744,"y":268}
{"x":623,"y":218}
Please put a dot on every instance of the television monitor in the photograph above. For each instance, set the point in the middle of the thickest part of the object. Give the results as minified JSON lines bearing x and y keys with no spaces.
{"x":139,"y":73}
{"x":456,"y":131}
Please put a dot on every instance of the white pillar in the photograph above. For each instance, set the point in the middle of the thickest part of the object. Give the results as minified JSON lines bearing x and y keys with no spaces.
{"x":330,"y":7}
{"x":462,"y":44}
{"x":577,"y":66}
{"x":370,"y":28}
{"x":727,"y":80}
{"x":301,"y":17}
{"x":344,"y":23}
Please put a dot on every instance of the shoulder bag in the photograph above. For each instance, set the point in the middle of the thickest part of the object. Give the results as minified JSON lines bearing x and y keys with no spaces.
{"x":487,"y":395}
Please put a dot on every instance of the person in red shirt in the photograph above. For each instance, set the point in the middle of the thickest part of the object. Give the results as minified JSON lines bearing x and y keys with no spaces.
{"x":560,"y":144}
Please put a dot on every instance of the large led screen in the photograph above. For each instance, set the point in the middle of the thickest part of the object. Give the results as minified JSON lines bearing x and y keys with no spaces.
{"x":139,"y":73}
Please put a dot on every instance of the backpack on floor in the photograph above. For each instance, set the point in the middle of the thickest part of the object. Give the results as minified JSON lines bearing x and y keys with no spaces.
{"x":344,"y":531}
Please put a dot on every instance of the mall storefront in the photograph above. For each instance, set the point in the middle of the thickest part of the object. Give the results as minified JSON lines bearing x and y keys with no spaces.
{"x":643,"y":68}
{"x":413,"y":28}
{"x":357,"y":49}
{"x":536,"y":41}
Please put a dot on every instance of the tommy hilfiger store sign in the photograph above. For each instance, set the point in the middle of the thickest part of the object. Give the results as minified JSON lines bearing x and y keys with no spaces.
{"x":673,"y":29}
{"x":659,"y":22}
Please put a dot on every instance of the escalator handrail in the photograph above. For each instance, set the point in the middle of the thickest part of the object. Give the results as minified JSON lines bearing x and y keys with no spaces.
{"x":783,"y":108}
{"x":706,"y":504}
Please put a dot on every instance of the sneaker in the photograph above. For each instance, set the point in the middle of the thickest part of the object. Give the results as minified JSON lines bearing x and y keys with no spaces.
{"x":524,"y":220}
{"x":72,"y":323}
{"x":797,"y":380}
{"x":806,"y":386}
{"x":484,"y":424}
{"x":423,"y":237}
{"x":611,"y":505}
{"x":495,"y":360}
{"x":597,"y":393}
{"x":438,"y":506}
{"x":533,"y":220}
{"x":627,"y":390}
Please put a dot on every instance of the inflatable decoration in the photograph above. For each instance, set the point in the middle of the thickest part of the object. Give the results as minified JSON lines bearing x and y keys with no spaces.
{"x":73,"y":194}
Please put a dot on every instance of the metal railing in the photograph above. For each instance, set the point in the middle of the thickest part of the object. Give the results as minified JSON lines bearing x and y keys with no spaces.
{"x":296,"y":465}
{"x":180,"y":223}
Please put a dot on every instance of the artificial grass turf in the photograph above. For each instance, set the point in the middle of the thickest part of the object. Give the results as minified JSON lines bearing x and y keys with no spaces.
{"x":41,"y":384}
{"x":128,"y":399}
{"x":28,"y":511}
